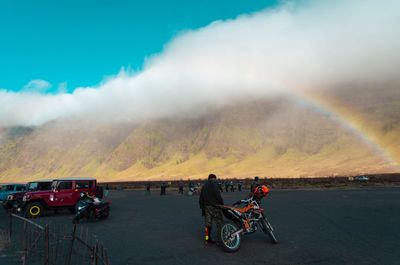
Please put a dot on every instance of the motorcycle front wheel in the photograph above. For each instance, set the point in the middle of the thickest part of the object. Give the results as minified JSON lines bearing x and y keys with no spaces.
{"x":267,"y":229}
{"x":228,"y":241}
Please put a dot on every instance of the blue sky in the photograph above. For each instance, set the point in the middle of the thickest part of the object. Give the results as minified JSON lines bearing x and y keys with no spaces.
{"x":79,"y":43}
{"x":294,"y":48}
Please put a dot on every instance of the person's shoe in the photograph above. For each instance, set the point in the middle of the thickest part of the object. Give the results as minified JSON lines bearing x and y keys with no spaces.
{"x":209,"y":241}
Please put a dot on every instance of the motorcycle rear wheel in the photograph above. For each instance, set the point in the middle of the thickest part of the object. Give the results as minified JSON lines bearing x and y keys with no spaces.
{"x":227,"y":242}
{"x":267,"y":229}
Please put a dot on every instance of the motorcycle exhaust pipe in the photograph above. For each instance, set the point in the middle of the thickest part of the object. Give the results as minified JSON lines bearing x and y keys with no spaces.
{"x":237,"y":233}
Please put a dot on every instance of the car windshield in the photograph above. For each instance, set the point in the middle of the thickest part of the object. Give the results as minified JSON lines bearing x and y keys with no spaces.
{"x":20,"y":188}
{"x":33,"y":186}
{"x":7,"y":188}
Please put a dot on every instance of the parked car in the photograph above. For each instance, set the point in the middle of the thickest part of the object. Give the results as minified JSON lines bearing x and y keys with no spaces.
{"x":14,"y":200}
{"x":64,"y":193}
{"x":8,"y":189}
{"x":362,"y":178}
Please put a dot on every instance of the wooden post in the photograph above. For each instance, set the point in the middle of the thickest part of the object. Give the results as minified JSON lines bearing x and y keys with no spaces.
{"x":9,"y":226}
{"x":24,"y":245}
{"x":92,"y":255}
{"x":87,"y":249}
{"x":96,"y":253}
{"x":46,"y":245}
{"x":106,"y":257}
{"x":71,"y":248}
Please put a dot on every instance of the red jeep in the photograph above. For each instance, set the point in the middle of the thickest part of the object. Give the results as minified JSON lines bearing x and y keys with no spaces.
{"x":65,"y":193}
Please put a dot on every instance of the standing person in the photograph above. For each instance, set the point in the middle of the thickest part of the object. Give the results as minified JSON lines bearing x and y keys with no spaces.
{"x":220,"y":186}
{"x":180,"y":187}
{"x":240,"y":184}
{"x":107,"y":190}
{"x":210,"y":196}
{"x":254,"y":184}
{"x":226,"y":186}
{"x":163,"y":188}
{"x":148,"y":187}
{"x":232,"y":186}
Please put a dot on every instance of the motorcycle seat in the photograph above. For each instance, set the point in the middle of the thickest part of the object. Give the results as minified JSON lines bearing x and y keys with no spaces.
{"x":241,"y":210}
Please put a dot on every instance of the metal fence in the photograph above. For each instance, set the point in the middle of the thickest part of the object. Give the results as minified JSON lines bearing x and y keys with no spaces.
{"x":37,"y":243}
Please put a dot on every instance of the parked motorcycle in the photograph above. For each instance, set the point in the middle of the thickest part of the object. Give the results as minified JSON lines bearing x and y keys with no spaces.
{"x":244,"y":220}
{"x":192,"y":191}
{"x":91,"y":208}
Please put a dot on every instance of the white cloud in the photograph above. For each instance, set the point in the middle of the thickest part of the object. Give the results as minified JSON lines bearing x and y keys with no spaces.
{"x":36,"y":86}
{"x":62,"y":88}
{"x":297,"y":46}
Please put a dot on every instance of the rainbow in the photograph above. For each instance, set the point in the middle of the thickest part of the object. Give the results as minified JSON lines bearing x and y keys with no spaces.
{"x":352,"y":122}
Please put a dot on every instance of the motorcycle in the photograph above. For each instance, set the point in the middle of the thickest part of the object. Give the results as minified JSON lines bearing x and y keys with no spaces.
{"x":192,"y":191}
{"x":90,"y":209}
{"x":244,"y":220}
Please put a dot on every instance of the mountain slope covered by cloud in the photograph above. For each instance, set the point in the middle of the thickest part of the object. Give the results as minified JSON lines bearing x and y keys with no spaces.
{"x":274,"y":138}
{"x":309,"y":88}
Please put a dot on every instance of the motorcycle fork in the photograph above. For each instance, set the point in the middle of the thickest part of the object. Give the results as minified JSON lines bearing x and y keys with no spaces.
{"x":269,"y":225}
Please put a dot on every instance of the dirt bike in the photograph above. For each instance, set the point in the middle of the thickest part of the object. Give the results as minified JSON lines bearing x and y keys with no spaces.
{"x":244,"y":220}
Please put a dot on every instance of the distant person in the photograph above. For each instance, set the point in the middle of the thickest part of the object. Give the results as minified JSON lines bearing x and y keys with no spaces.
{"x":254,"y":184}
{"x":220,"y":186}
{"x":232,"y":186}
{"x":240,"y":184}
{"x":226,"y":186}
{"x":163,"y":188}
{"x":107,"y":190}
{"x":148,"y":188}
{"x":180,"y":187}
{"x":210,"y":196}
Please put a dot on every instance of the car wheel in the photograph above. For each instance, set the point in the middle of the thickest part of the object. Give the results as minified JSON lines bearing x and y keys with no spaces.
{"x":34,"y":210}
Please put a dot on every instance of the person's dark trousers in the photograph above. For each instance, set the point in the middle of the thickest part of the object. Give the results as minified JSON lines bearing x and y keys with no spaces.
{"x":163,"y":191}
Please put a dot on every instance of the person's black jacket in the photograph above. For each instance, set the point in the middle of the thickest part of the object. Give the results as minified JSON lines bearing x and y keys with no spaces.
{"x":254,"y":184}
{"x":210,"y":195}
